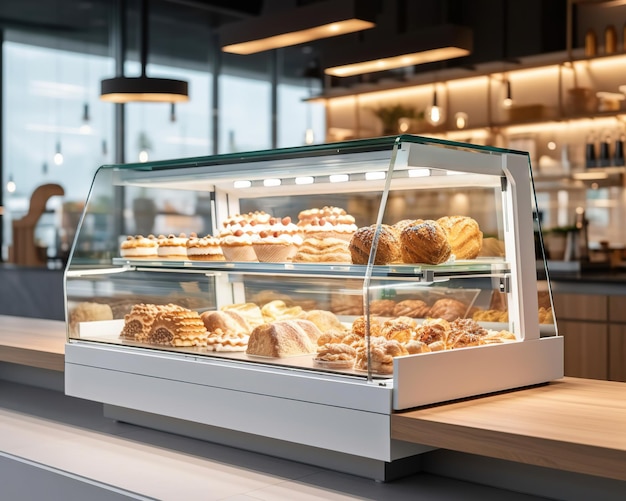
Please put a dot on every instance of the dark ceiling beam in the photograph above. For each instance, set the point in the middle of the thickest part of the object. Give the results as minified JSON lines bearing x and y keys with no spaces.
{"x":241,"y":9}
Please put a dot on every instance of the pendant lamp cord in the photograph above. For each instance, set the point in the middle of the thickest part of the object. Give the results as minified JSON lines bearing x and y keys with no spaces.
{"x":144,"y":36}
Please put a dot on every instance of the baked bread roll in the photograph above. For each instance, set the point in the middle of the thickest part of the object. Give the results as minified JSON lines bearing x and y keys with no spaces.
{"x":464,"y":236}
{"x":425,"y":242}
{"x":249,"y":311}
{"x":284,"y":338}
{"x":387,"y":251}
{"x":359,"y":327}
{"x":278,"y":310}
{"x":382,"y":307}
{"x":226,"y":321}
{"x":448,"y":309}
{"x":414,"y":308}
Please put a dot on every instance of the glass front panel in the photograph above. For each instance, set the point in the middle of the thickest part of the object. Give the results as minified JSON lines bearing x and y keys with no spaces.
{"x":328,"y":258}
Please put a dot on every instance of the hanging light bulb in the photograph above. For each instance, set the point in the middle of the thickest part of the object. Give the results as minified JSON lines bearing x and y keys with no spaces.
{"x":435,"y":113}
{"x":58,"y":156}
{"x":460,"y":120}
{"x":143,"y":156}
{"x":11,"y":186}
{"x":507,"y":102}
{"x":85,"y":128}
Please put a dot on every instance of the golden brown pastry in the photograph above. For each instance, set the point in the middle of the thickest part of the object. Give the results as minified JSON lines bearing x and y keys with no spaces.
{"x":399,"y":329}
{"x":414,"y":308}
{"x":325,"y":320}
{"x":284,"y":338}
{"x":464,"y":236}
{"x":387,"y":251}
{"x":400,"y":225}
{"x":425,"y":242}
{"x":249,"y":311}
{"x":278,"y":310}
{"x":382,"y":307}
{"x":346,"y":304}
{"x":428,"y":333}
{"x":138,"y":322}
{"x":332,"y":336}
{"x":490,"y":316}
{"x":327,"y":250}
{"x":336,"y":353}
{"x":359,"y":327}
{"x":178,"y":327}
{"x":382,"y":353}
{"x":448,"y":309}
{"x":218,"y":340}
{"x":464,"y":332}
{"x":226,"y":321}
{"x":414,"y":347}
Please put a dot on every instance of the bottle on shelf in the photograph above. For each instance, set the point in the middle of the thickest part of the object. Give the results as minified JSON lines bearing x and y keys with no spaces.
{"x":591,"y":159}
{"x":618,"y":152}
{"x":605,"y":151}
{"x":610,"y":40}
{"x":591,"y":43}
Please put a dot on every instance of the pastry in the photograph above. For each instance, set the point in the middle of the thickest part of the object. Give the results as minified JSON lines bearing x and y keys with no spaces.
{"x":382,"y":307}
{"x":464,"y":236}
{"x":278,"y":310}
{"x":400,"y":225}
{"x":490,"y":316}
{"x":464,"y":332}
{"x":229,"y":321}
{"x":387,"y":250}
{"x":430,"y":332}
{"x":343,"y":304}
{"x":400,"y":329}
{"x":331,"y":336}
{"x":325,"y":320}
{"x":249,"y":311}
{"x":284,"y":338}
{"x":414,"y":347}
{"x":545,"y":315}
{"x":338,"y":354}
{"x":382,"y":353}
{"x":359,"y":327}
{"x":327,"y":222}
{"x":414,"y":308}
{"x":238,"y":247}
{"x":139,"y":246}
{"x":275,"y":247}
{"x":204,"y":248}
{"x":172,"y":246}
{"x":88,"y":312}
{"x":178,"y":327}
{"x":327,"y":250}
{"x":138,"y":322}
{"x":425,"y":242}
{"x":448,"y":309}
{"x":492,"y":247}
{"x":219,"y":340}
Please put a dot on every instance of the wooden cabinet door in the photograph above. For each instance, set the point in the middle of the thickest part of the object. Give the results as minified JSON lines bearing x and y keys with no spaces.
{"x":617,"y":353}
{"x":586,"y":349}
{"x":580,"y":307}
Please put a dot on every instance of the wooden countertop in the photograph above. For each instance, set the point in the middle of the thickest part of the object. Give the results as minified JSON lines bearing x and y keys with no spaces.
{"x":33,"y":342}
{"x":572,"y":424}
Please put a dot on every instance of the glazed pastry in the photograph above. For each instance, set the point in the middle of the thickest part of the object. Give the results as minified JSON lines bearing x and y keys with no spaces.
{"x":425,"y":242}
{"x":431,"y":332}
{"x":336,"y":353}
{"x":387,"y":251}
{"x":448,"y":309}
{"x":414,"y":308}
{"x":331,"y":336}
{"x":359,"y":327}
{"x":464,"y":236}
{"x":399,"y":329}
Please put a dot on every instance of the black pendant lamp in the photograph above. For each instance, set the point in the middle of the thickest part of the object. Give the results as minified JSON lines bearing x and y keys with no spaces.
{"x":123,"y":89}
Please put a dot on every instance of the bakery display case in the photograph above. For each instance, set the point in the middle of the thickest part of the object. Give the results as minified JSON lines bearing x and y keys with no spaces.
{"x":271,"y":293}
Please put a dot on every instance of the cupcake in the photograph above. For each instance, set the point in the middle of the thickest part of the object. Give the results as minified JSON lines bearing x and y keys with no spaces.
{"x":327,"y":222}
{"x":204,"y":249}
{"x":238,"y":247}
{"x":276,"y":247}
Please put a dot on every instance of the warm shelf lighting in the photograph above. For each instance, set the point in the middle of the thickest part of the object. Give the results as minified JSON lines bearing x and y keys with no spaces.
{"x":123,"y":89}
{"x":434,"y":112}
{"x":507,"y":102}
{"x":305,"y":24}
{"x":438,"y":43}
